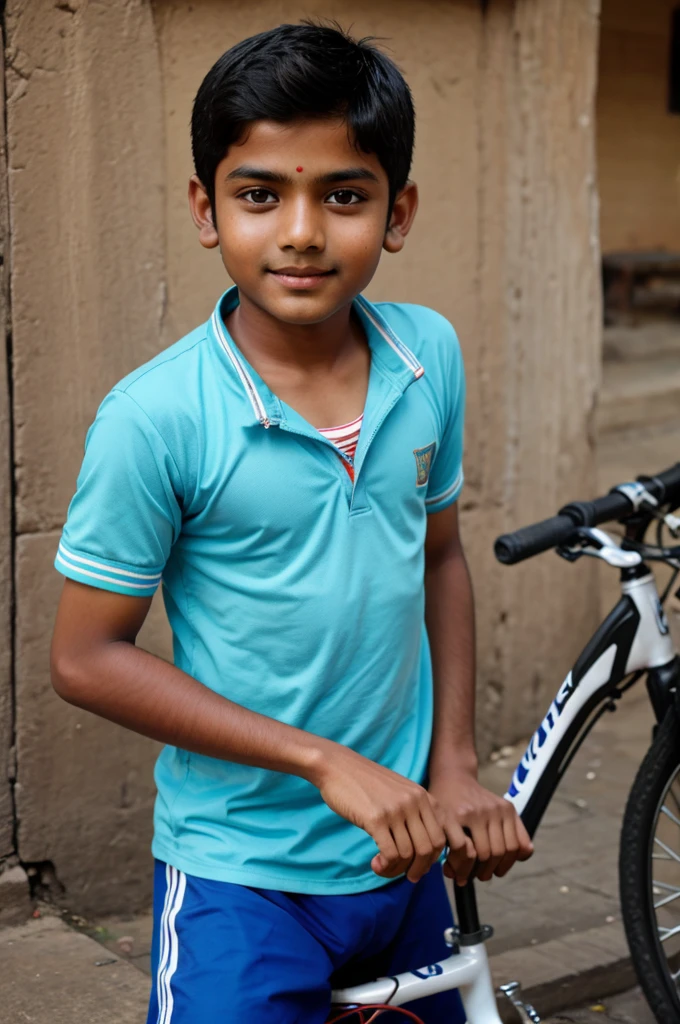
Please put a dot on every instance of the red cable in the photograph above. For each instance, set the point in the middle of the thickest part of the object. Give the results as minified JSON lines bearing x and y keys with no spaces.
{"x":379,"y":1009}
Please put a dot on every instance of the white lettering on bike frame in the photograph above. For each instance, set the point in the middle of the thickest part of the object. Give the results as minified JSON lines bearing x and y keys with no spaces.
{"x":568,"y":702}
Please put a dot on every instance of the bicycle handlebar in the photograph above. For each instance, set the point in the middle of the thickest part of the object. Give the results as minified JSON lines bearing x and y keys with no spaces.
{"x":560,"y":529}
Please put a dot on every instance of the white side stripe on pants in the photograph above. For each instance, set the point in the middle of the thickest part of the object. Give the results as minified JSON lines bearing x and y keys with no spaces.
{"x":176,"y":883}
{"x":164,"y":943}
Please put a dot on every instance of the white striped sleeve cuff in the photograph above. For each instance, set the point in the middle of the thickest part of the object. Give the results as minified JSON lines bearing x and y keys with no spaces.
{"x":438,"y":502}
{"x":107,"y":575}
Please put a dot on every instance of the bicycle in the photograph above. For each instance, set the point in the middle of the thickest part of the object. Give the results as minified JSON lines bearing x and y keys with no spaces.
{"x":633,"y":641}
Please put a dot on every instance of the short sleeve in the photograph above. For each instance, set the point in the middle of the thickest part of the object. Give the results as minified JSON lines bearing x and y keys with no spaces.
{"x":126,"y":513}
{"x":446,"y":476}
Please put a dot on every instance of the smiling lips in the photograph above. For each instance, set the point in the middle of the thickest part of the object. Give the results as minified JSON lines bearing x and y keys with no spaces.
{"x":301,"y":278}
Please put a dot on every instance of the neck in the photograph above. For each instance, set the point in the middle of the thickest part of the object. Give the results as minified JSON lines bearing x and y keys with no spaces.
{"x":264,"y":339}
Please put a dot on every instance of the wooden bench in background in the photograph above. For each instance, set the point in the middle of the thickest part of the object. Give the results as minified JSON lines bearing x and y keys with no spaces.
{"x":627,"y":276}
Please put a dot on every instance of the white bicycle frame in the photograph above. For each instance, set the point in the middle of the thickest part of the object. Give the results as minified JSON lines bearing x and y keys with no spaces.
{"x":467,"y":971}
{"x":633,"y":638}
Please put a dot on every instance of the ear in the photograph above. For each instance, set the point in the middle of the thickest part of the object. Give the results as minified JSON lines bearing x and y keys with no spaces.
{"x":403,"y":212}
{"x":201,"y":214}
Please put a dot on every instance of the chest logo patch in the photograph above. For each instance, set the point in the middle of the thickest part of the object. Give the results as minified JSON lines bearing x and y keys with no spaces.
{"x":424,"y":458}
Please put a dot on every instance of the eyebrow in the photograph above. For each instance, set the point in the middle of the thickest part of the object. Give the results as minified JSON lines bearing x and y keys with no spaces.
{"x":332,"y":178}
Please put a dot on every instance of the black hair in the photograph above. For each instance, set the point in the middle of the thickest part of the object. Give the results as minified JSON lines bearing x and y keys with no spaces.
{"x":302,"y":71}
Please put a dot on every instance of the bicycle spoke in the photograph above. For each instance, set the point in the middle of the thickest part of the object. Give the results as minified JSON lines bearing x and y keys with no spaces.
{"x":665,"y":885}
{"x":671,"y":853}
{"x":668,"y":933}
{"x":669,"y":814}
{"x":666,"y":900}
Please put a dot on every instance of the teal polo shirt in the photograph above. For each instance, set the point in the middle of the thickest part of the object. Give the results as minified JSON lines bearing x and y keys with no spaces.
{"x":289,"y":589}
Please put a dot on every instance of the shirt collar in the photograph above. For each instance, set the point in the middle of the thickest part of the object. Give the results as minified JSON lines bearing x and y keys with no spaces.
{"x":386,"y":347}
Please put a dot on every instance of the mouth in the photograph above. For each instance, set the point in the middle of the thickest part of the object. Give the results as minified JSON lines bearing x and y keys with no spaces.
{"x":301,"y":278}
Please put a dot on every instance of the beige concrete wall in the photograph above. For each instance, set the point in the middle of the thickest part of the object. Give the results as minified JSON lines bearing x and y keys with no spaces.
{"x":534,"y":349}
{"x":86,"y":184}
{"x":106,"y":268}
{"x":638,"y":140}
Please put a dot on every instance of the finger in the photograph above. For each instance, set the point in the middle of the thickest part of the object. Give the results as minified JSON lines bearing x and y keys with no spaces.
{"x":387,"y":862}
{"x":461,"y":856}
{"x":425,"y":852}
{"x":511,"y":848}
{"x":433,"y":826}
{"x":403,"y":841}
{"x":512,"y":844}
{"x":496,"y":842}
{"x":479,"y":833}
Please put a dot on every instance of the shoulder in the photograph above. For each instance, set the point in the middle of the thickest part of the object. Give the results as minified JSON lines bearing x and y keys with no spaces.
{"x":157,"y":406}
{"x":430,"y":336}
{"x":164,"y":378}
{"x":433,"y":341}
{"x":166,"y":391}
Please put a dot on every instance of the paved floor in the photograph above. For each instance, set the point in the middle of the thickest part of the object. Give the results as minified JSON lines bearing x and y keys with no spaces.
{"x":629,"y":1008}
{"x":52,"y":975}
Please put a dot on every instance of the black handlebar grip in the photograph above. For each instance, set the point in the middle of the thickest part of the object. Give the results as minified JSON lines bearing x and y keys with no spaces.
{"x":609,"y":508}
{"x":670,"y":485}
{"x":559,"y":530}
{"x":532,"y":540}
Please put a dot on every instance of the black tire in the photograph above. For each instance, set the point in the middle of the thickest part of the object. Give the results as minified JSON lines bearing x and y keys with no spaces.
{"x":656,"y":773}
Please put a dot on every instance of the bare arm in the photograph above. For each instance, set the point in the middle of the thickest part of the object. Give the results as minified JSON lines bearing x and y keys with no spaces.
{"x":96,"y":666}
{"x":497,"y":832}
{"x":450,"y":619}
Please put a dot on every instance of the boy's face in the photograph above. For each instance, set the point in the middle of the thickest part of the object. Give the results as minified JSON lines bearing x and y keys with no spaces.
{"x":301,"y":217}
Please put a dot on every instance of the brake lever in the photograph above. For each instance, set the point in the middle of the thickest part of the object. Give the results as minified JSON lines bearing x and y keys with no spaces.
{"x":597,"y":544}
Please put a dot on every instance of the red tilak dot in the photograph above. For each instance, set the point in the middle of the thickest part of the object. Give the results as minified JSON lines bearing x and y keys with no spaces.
{"x":298,"y":169}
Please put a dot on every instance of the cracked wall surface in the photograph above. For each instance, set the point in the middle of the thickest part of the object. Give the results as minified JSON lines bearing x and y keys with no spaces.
{"x":107,"y":270}
{"x":86,"y":180}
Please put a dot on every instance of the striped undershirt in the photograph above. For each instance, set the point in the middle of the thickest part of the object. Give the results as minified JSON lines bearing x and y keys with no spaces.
{"x":345,"y":438}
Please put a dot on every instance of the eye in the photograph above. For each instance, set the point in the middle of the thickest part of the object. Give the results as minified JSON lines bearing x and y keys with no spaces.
{"x":344,"y":197}
{"x":259,"y":196}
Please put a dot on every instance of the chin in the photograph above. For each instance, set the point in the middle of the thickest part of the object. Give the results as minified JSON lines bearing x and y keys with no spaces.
{"x":302,"y":308}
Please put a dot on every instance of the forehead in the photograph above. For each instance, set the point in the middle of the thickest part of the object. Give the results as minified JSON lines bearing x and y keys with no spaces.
{"x":316,"y":144}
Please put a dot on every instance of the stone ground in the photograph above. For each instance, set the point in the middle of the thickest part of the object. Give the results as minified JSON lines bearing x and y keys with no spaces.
{"x":628,"y":1008}
{"x":556,"y":918}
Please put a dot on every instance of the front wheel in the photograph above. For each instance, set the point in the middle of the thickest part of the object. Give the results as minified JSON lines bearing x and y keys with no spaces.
{"x":649,"y":872}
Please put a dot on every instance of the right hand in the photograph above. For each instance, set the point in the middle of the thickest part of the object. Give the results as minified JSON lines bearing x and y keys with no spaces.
{"x":399,"y":815}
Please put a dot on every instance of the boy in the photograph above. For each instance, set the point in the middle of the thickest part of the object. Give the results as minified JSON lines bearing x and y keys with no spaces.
{"x":291,"y":469}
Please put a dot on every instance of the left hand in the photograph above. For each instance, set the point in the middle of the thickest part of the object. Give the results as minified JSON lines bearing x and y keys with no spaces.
{"x":498,"y":834}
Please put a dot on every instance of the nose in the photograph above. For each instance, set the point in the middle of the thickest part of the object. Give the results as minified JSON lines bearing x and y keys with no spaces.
{"x":301,"y":226}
